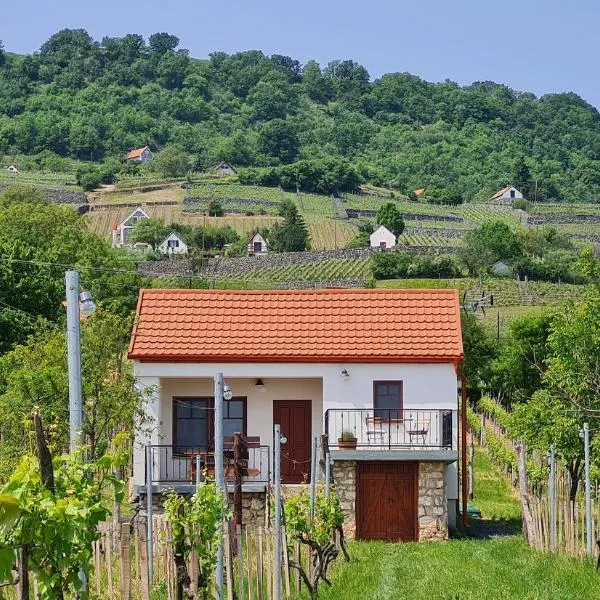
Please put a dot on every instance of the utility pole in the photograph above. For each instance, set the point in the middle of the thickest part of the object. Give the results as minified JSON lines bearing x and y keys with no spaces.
{"x":72,"y":286}
{"x":219,"y":475}
{"x":588,"y":491}
{"x":277,"y":491}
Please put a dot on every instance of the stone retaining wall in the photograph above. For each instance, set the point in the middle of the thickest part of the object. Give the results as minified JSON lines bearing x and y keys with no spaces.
{"x":344,"y":479}
{"x":244,"y":264}
{"x":254,"y":506}
{"x":433,"y":511}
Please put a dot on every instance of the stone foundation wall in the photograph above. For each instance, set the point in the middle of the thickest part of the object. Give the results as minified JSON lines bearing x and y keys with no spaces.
{"x":433,"y":511}
{"x":254,"y":506}
{"x":344,"y":479}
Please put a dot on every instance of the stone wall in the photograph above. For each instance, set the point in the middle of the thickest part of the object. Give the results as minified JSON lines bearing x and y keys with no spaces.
{"x":344,"y":479}
{"x":254,"y":506}
{"x":432,"y":507}
{"x":433,"y":511}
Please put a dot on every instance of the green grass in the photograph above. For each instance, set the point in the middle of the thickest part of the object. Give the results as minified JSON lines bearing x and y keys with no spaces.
{"x":466,"y":569}
{"x":494,"y":495}
{"x":459,"y":570}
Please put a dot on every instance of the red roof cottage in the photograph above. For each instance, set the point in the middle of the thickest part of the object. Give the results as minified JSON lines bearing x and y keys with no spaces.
{"x":379,"y":366}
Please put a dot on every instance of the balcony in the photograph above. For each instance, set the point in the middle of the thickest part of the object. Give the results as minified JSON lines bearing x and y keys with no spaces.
{"x":175,"y":467}
{"x":414,"y":431}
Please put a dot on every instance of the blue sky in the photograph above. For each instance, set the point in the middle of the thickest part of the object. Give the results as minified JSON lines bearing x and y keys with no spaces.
{"x":534,"y":45}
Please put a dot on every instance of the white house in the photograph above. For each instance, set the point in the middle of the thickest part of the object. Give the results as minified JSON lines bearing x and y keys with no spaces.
{"x":501,"y":269}
{"x":122,"y":231}
{"x":257,"y":245}
{"x":224,"y":170}
{"x":12,"y":169}
{"x":376,"y":365}
{"x":382,"y":238}
{"x":173,"y":244}
{"x":143,"y":155}
{"x":507,"y":194}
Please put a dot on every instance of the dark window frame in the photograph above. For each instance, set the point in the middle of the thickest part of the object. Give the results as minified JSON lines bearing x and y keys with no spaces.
{"x":258,"y":246}
{"x":376,"y":408}
{"x":210,"y":400}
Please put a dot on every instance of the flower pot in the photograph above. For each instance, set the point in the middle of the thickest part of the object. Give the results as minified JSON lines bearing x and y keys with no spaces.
{"x":347,"y":443}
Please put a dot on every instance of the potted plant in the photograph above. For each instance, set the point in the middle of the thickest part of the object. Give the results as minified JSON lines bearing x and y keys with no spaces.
{"x":347,"y":440}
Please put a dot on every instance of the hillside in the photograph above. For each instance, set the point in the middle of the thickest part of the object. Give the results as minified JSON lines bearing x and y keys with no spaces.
{"x":78,"y":98}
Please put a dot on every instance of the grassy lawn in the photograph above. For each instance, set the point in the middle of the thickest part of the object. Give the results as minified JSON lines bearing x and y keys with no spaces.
{"x":468,"y":569}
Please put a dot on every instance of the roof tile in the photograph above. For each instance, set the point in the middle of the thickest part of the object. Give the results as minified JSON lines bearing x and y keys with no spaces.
{"x":297,"y":326}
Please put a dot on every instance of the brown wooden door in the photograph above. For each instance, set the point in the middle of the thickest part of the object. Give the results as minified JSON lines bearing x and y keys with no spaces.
{"x":387,"y":501}
{"x":294,"y":416}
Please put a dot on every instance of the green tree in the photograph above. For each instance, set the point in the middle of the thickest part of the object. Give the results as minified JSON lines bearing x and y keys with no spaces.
{"x":389,"y":216}
{"x":292,"y":235}
{"x":26,"y":194}
{"x":215,"y":208}
{"x":479,"y":350}
{"x":161,"y":43}
{"x":150,"y":231}
{"x":35,"y":375}
{"x":171,"y":162}
{"x":491,"y":242}
{"x":278,"y":139}
{"x":2,"y":54}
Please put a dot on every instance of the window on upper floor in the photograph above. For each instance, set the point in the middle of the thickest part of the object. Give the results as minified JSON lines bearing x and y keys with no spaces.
{"x":388,"y":399}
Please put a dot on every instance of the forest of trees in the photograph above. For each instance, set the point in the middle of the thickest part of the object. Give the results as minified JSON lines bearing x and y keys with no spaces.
{"x":94,"y":100}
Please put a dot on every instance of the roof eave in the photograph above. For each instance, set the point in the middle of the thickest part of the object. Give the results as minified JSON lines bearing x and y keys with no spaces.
{"x":141,"y":357}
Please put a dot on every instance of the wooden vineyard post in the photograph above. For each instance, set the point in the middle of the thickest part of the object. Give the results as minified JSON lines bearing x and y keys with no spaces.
{"x":249,"y":565}
{"x":297,"y":557}
{"x":228,"y":562}
{"x":23,"y":583}
{"x":143,"y":556}
{"x":240,"y":561}
{"x":237,"y":486}
{"x":529,"y":530}
{"x":286,"y":563}
{"x":97,"y":566}
{"x":259,"y":567}
{"x":108,"y":553}
{"x":125,"y":562}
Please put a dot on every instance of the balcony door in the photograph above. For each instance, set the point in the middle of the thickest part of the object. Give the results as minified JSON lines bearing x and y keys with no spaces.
{"x":294,"y":416}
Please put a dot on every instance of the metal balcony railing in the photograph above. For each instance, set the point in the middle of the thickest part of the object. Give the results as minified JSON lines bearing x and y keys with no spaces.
{"x":380,"y":429}
{"x":176,"y":465}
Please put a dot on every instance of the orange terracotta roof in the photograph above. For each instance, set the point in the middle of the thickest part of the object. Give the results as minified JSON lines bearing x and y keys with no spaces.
{"x":331,"y":325}
{"x":500,"y":192}
{"x":419,"y":191}
{"x":136,"y":153}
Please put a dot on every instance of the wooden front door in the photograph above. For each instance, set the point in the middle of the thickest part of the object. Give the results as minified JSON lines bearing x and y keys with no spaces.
{"x":294,"y":416}
{"x":387,"y":501}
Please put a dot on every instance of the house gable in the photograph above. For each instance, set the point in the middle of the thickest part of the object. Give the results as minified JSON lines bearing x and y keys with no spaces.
{"x":137,"y":215}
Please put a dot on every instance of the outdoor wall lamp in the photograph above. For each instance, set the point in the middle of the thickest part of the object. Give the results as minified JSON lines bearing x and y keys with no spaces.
{"x":260,"y":385}
{"x":87,"y":306}
{"x":345,"y":374}
{"x":227,"y":393}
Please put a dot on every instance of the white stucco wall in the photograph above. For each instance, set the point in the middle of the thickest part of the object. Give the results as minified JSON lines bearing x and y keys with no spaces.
{"x":425,"y":386}
{"x":381,"y":234}
{"x":165,"y":249}
{"x":507,"y":196}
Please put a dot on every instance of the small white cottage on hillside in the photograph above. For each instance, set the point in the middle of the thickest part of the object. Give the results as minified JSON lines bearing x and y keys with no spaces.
{"x":122,"y":231}
{"x":143,"y":155}
{"x":257,"y":245}
{"x":375,"y":371}
{"x":173,"y":244}
{"x":507,"y":194}
{"x":224,"y":170}
{"x":12,"y":169}
{"x":382,"y":238}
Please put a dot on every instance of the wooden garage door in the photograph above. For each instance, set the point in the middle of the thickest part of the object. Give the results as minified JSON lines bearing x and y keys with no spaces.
{"x":387,"y":501}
